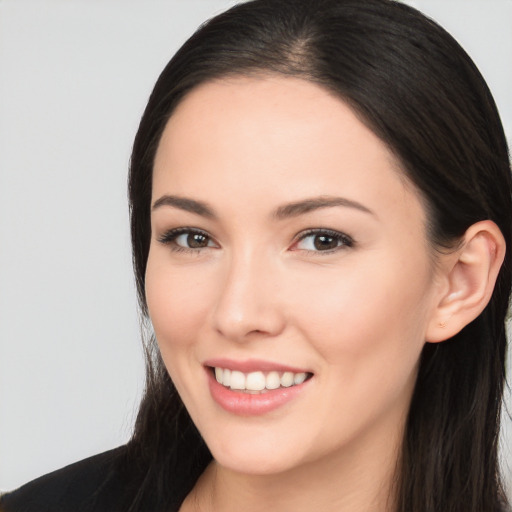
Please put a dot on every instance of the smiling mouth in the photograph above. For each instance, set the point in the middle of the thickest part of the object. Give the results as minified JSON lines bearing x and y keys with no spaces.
{"x":258,"y":382}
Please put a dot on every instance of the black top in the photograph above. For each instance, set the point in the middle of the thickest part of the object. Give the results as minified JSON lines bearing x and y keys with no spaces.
{"x":96,"y":484}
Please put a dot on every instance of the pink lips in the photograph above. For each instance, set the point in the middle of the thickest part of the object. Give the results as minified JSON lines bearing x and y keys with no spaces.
{"x":251,"y":365}
{"x":246,"y":404}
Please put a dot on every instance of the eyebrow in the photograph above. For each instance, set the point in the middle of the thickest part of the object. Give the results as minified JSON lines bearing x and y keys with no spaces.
{"x":315,"y":203}
{"x":282,"y":212}
{"x":183,"y":203}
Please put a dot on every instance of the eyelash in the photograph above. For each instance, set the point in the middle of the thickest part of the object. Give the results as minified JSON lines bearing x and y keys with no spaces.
{"x":343,"y":240}
{"x":169,"y":238}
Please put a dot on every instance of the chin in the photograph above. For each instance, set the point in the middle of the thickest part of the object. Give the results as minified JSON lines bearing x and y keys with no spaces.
{"x":254,"y":451}
{"x":251,"y":463}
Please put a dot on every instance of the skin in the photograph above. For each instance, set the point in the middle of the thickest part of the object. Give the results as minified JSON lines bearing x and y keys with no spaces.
{"x":356,"y":316}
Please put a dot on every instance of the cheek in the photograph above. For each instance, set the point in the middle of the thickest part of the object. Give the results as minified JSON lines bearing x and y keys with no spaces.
{"x":177,"y":301}
{"x":378,"y":311}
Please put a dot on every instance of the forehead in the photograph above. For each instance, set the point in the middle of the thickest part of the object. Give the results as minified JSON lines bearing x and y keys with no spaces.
{"x":268,"y":109}
{"x":273,"y":138}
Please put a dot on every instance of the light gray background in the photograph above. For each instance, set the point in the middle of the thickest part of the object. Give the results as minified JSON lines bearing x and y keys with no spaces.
{"x":74,"y":79}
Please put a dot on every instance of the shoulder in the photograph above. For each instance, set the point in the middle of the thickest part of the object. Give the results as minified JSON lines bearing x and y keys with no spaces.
{"x":98,"y":484}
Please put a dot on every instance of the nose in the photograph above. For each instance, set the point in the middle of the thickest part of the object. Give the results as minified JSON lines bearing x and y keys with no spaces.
{"x":248,"y":305}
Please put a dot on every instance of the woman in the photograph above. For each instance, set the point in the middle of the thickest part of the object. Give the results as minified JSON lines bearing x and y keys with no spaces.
{"x":320,"y":199}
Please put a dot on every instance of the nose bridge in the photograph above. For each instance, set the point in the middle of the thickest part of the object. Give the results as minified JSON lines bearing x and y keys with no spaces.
{"x":247,"y":300}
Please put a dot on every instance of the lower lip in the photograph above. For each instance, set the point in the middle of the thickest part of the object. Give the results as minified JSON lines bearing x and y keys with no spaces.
{"x":247,"y":404}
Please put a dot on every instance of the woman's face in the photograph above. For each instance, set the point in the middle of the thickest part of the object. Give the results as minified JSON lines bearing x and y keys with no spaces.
{"x":286,"y":245}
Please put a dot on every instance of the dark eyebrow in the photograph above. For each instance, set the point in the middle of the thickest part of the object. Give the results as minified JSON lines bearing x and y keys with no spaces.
{"x":183,"y":203}
{"x":282,"y":212}
{"x":314,"y":203}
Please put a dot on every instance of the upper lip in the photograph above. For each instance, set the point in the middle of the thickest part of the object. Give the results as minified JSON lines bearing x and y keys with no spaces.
{"x":252,"y":365}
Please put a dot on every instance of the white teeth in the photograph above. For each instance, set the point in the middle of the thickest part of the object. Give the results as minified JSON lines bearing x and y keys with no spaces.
{"x":237,"y":380}
{"x":287,"y":379}
{"x":299,"y":378}
{"x":273,"y":380}
{"x":226,"y":377}
{"x":257,"y":381}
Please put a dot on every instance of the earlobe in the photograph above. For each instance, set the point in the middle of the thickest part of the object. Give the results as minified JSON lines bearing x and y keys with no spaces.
{"x":469,"y":275}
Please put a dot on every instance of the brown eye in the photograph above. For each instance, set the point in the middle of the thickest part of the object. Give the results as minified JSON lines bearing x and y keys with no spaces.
{"x":196,"y":240}
{"x":183,"y":239}
{"x":325,"y":242}
{"x":321,"y":240}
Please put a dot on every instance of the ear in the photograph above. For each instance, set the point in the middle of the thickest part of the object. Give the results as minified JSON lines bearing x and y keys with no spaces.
{"x":467,"y":278}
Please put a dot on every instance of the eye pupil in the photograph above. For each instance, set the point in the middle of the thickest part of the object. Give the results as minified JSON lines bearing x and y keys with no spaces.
{"x":197,"y":240}
{"x":323,"y":242}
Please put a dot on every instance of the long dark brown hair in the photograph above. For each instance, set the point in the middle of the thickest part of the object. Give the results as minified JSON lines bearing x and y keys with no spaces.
{"x":411,"y":83}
